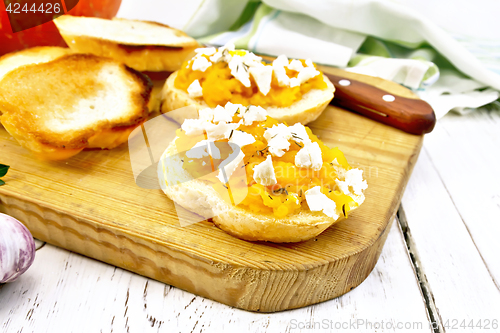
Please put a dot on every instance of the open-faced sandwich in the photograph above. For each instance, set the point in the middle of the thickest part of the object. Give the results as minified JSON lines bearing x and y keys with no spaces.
{"x":294,"y":91}
{"x":259,"y":179}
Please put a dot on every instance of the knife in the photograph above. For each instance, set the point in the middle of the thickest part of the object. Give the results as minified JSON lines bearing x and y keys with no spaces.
{"x":411,"y":115}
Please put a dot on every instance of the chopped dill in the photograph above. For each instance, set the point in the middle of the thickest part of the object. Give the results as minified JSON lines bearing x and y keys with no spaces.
{"x":281,"y":190}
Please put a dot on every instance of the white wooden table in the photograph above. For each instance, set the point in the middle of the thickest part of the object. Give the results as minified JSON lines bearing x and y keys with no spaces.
{"x":439,"y":270}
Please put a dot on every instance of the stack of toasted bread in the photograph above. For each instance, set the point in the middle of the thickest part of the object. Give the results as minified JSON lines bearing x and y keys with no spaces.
{"x":58,"y":101}
{"x":144,"y":46}
{"x":150,"y":47}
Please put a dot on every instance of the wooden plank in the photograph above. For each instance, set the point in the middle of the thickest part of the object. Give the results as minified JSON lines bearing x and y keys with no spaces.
{"x":470,"y":174}
{"x":90,"y":205}
{"x":452,"y":217}
{"x":63,"y":289}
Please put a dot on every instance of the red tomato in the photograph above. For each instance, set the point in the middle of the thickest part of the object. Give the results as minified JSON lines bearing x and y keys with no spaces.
{"x":47,"y":33}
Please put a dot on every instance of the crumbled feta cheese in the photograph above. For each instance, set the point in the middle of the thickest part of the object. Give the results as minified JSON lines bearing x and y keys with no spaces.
{"x":294,"y":82}
{"x":204,"y":148}
{"x":303,"y":159}
{"x":223,"y":53}
{"x":226,"y":169}
{"x":240,"y":70}
{"x":263,"y":76}
{"x":253,"y":113}
{"x":215,"y":122}
{"x":344,"y":187}
{"x":277,"y":130}
{"x":277,"y":139}
{"x":309,"y":157}
{"x":229,"y":46}
{"x":280,"y":71}
{"x":206,"y":114}
{"x":299,"y":134}
{"x":306,"y":74}
{"x":239,"y":63}
{"x":243,"y":64}
{"x":223,"y":114}
{"x":316,"y":157}
{"x":318,"y":201}
{"x":230,"y":107}
{"x":281,"y":61}
{"x":194,"y":126}
{"x":263,"y":173}
{"x":241,"y":138}
{"x":194,"y":89}
{"x":295,"y":65}
{"x":354,"y":179}
{"x":339,"y":169}
{"x":251,"y":59}
{"x":278,"y":146}
{"x":205,"y":51}
{"x":219,"y":131}
{"x":200,"y":64}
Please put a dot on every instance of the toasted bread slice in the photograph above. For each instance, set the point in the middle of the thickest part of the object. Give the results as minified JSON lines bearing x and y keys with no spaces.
{"x":142,"y":45}
{"x":35,"y":55}
{"x":77,"y":101}
{"x":199,"y":197}
{"x":306,"y":110}
{"x":267,"y":190}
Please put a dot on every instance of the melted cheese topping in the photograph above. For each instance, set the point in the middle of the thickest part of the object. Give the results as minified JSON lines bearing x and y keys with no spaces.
{"x":239,"y":76}
{"x":287,"y":168}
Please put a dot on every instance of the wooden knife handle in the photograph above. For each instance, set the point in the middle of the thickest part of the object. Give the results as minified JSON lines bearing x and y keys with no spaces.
{"x":413,"y":116}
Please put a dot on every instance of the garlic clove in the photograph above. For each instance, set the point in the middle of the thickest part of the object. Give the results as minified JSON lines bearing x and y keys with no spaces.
{"x":17,"y":248}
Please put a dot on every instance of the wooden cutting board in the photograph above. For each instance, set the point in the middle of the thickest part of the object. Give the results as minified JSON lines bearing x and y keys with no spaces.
{"x":91,"y":205}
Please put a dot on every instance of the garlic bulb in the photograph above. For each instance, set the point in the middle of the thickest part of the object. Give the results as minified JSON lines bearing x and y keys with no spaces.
{"x":17,"y":248}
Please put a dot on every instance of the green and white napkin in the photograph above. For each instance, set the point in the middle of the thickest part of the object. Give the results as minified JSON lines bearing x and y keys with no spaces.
{"x":453,"y":63}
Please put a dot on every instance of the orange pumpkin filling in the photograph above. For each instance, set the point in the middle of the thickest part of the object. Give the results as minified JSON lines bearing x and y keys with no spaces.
{"x":287,"y":196}
{"x":219,"y":86}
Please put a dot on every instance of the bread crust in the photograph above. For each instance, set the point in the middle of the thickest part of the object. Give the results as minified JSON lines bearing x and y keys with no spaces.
{"x":308,"y":109}
{"x":198,"y":196}
{"x":32,"y":96}
{"x":142,"y":57}
{"x":34,"y":55}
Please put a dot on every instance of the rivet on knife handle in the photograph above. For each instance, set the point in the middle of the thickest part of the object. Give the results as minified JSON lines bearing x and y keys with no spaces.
{"x":413,"y":116}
